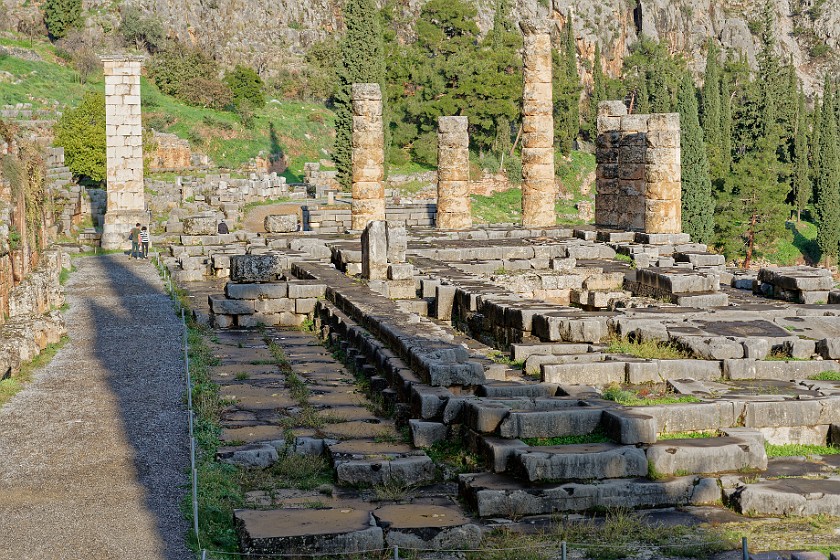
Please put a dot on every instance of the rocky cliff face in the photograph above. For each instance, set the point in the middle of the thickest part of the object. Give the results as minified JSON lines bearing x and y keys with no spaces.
{"x":274,"y":34}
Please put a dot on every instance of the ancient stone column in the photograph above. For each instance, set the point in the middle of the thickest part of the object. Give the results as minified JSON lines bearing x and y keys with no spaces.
{"x":368,"y":158}
{"x":375,"y":250}
{"x":538,"y":190}
{"x":126,"y":203}
{"x":663,"y":175}
{"x":607,"y":204}
{"x":453,"y":190}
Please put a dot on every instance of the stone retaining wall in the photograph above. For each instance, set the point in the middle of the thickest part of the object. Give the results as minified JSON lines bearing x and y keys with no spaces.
{"x":338,"y":220}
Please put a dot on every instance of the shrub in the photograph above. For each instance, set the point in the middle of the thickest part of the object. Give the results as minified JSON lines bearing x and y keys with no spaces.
{"x":173,"y":68}
{"x":60,"y":16}
{"x":140,"y":30}
{"x":81,"y":131}
{"x":205,"y":92}
{"x":246,"y":86}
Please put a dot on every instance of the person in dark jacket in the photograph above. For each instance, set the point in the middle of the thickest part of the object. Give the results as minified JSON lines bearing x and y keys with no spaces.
{"x":223,"y":228}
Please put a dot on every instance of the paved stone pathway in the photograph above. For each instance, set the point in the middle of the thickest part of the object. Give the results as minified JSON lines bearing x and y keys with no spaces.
{"x":94,"y":453}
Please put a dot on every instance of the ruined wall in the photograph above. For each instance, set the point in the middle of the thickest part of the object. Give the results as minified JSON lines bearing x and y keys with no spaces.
{"x":170,"y":153}
{"x":639,"y":172}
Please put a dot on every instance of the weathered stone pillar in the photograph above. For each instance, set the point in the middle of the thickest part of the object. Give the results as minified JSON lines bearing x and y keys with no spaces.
{"x":663,"y":175}
{"x":368,"y":157}
{"x":538,"y":190}
{"x":375,"y":250}
{"x":639,"y":184}
{"x":126,"y":204}
{"x":453,"y":188}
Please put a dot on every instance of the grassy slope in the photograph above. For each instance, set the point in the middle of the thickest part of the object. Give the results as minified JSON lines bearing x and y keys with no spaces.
{"x":303,"y":130}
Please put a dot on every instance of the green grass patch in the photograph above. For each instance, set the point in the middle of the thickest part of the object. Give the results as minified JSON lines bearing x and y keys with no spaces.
{"x":453,"y":455}
{"x":826,"y":376}
{"x":688,"y":435}
{"x":65,"y":273}
{"x":268,"y":202}
{"x":649,"y":349}
{"x":13,"y":385}
{"x":567,"y":440}
{"x":797,"y":245}
{"x":799,"y":450}
{"x":644,"y":397}
{"x":619,"y":533}
{"x":498,"y":208}
{"x":623,"y":258}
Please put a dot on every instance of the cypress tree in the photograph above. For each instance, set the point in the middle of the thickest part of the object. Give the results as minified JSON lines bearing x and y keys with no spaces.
{"x":598,"y":87}
{"x":566,"y":92}
{"x":726,"y":129}
{"x":697,"y":203}
{"x":801,"y":181}
{"x":816,"y":126}
{"x":711,"y":97}
{"x":362,"y":61}
{"x":828,"y":181}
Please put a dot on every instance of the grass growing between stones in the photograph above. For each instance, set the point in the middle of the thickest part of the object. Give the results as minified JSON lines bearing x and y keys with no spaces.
{"x":13,"y":385}
{"x":453,"y":458}
{"x":826,"y":376}
{"x":219,"y":491}
{"x":816,"y":532}
{"x":648,"y":350}
{"x":620,"y":533}
{"x":799,"y":450}
{"x":689,"y":435}
{"x":567,"y":440}
{"x":644,"y":397}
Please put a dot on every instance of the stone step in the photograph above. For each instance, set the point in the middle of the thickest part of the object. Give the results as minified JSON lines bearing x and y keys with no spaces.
{"x":307,"y":531}
{"x":788,"y":497}
{"x":367,"y":463}
{"x":594,"y":461}
{"x":707,"y":455}
{"x":494,"y":495}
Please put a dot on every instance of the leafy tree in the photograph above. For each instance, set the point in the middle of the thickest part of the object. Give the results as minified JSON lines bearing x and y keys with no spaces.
{"x":828,"y":180}
{"x":725,"y":132}
{"x":81,"y":132}
{"x":752,"y":208}
{"x":362,"y":61}
{"x":654,"y":76}
{"x":697,"y":204}
{"x":143,"y":31}
{"x":801,"y":181}
{"x":566,"y":92}
{"x":60,"y":16}
{"x":246,"y":86}
{"x":172,"y":68}
{"x":712,"y":122}
{"x":598,"y":94}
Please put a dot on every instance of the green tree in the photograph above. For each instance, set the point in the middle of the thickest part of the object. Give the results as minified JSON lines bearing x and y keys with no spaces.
{"x":725,"y":132}
{"x":711,"y":98}
{"x":566,"y":92}
{"x":362,"y":61}
{"x":246,"y":86}
{"x":828,"y":180}
{"x":60,"y":16}
{"x":81,"y":132}
{"x":801,"y":181}
{"x":142,"y":31}
{"x":173,"y":68}
{"x":752,"y":208}
{"x":697,"y":203}
{"x":599,"y":93}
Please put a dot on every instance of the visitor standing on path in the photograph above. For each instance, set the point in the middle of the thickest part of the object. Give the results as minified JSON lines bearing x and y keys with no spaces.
{"x":144,"y":242}
{"x":134,"y":237}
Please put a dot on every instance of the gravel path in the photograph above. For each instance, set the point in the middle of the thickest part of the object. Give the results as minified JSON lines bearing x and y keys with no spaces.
{"x":94,"y":452}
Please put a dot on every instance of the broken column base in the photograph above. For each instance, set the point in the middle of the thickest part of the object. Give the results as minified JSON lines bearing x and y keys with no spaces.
{"x":117,"y":226}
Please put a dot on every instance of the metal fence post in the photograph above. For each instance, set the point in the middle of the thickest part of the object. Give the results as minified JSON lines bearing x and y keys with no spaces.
{"x":396,"y":552}
{"x":744,"y":550}
{"x":563,"y":550}
{"x":203,"y":554}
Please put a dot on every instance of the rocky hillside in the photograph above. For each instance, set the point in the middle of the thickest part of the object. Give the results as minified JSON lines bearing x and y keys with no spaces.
{"x":271,"y":35}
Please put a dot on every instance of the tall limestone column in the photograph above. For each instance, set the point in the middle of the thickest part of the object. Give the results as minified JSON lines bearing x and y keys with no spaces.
{"x":368,"y":158}
{"x":453,"y":190}
{"x":538,"y":190}
{"x":126,"y":204}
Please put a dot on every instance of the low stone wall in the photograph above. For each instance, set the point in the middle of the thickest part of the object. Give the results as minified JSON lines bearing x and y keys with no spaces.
{"x":283,"y":304}
{"x":33,"y":320}
{"x":338,"y":219}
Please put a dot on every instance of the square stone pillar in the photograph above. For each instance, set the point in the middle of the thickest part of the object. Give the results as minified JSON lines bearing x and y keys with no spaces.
{"x":454,"y":209}
{"x":368,"y":157}
{"x":126,"y":202}
{"x":538,"y":187}
{"x":639,"y":183}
